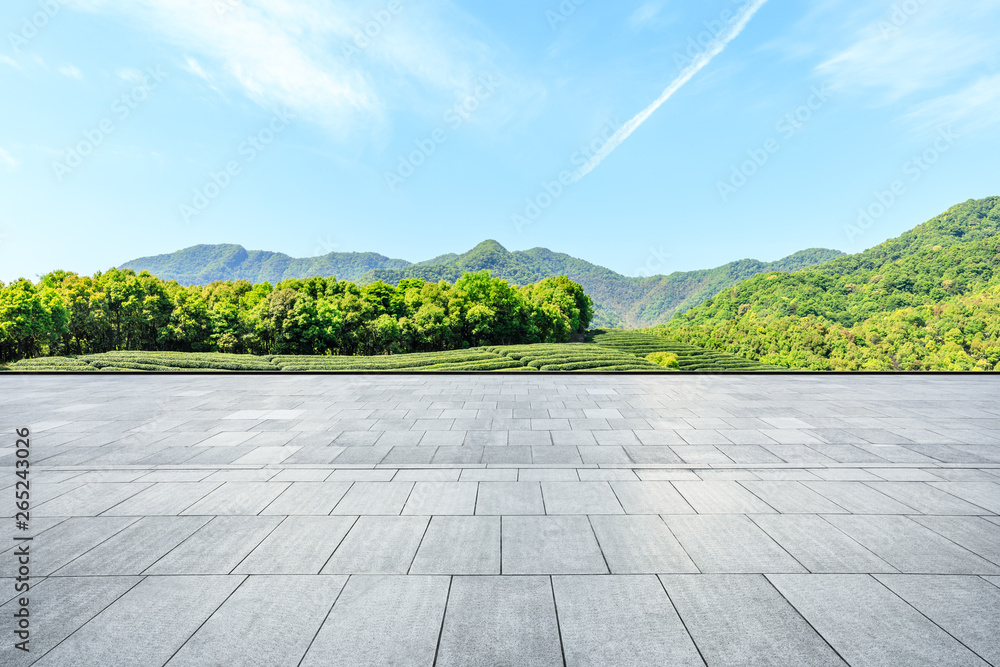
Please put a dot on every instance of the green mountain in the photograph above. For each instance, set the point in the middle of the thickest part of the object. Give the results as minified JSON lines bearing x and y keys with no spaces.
{"x":927,"y":299}
{"x":203,"y":264}
{"x":619,"y":300}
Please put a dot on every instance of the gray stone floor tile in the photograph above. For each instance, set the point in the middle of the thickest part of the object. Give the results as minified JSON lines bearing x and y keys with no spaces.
{"x":859,"y":498}
{"x":429,"y":475}
{"x":217,"y":547}
{"x":134,"y":549}
{"x":550,"y":545}
{"x":547,"y":475}
{"x":967,"y":608}
{"x":500,"y":621}
{"x":163,"y":498}
{"x":443,"y":498}
{"x":721,"y":497}
{"x":65,"y":542}
{"x":926,"y":499}
{"x":655,"y":497}
{"x":720,"y":543}
{"x":818,"y":545}
{"x":370,"y":498}
{"x":238,"y":498}
{"x":867,"y":624}
{"x":509,"y":498}
{"x":238,"y":634}
{"x":983,"y":494}
{"x":580,"y":498}
{"x":640,"y":545}
{"x":459,"y":545}
{"x":378,"y":545}
{"x":973,"y":533}
{"x":89,"y":499}
{"x":307,"y":498}
{"x":910,"y":547}
{"x":382,"y":620}
{"x":488,"y":475}
{"x":361,"y":475}
{"x":299,"y":545}
{"x":738,"y":619}
{"x":789,"y":497}
{"x":163,"y":611}
{"x":597,"y":629}
{"x":58,"y":606}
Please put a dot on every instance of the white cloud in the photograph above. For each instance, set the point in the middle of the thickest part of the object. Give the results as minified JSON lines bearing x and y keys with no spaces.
{"x":927,"y":58}
{"x":194,"y":67}
{"x":131,"y":75}
{"x":975,"y":106}
{"x":7,"y":60}
{"x":645,"y":13}
{"x":297,"y":56}
{"x":72,"y":72}
{"x":9,"y":160}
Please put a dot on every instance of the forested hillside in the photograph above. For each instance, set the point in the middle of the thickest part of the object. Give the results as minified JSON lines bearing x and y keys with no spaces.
{"x":618,"y":300}
{"x":929,"y":299}
{"x":204,"y":264}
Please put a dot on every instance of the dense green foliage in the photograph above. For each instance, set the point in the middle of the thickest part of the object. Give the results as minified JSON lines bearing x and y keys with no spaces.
{"x":927,"y":300}
{"x":120,"y":310}
{"x":619,"y":300}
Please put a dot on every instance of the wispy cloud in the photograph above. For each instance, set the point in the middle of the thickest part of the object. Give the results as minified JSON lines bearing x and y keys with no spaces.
{"x":714,"y":48}
{"x":645,"y":13}
{"x":975,"y":106}
{"x":928,"y":55}
{"x":72,"y":71}
{"x":9,"y":161}
{"x":131,"y":75}
{"x":292,"y":55}
{"x":10,"y":62}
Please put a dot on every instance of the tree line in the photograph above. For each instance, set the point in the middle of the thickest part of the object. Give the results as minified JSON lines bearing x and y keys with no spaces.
{"x":65,"y":313}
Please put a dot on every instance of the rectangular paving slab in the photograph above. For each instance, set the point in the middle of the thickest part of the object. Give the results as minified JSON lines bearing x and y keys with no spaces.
{"x":500,"y":621}
{"x":163,"y":611}
{"x":640,"y":544}
{"x":459,"y":545}
{"x":910,"y":547}
{"x":550,"y":545}
{"x":299,"y":545}
{"x":382,"y":620}
{"x":238,"y":634}
{"x":740,"y":619}
{"x":730,"y":544}
{"x":598,"y":628}
{"x":217,"y":547}
{"x":868,"y":624}
{"x":967,"y":608}
{"x":59,"y":606}
{"x":378,"y":545}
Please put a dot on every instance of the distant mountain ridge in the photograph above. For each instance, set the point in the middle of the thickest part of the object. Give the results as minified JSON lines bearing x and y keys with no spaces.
{"x":619,"y":300}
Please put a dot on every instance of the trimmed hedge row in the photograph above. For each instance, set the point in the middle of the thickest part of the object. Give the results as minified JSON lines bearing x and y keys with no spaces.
{"x":607,"y":351}
{"x":689,"y":357}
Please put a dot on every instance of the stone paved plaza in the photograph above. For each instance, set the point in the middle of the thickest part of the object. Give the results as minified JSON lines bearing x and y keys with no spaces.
{"x":513,"y":519}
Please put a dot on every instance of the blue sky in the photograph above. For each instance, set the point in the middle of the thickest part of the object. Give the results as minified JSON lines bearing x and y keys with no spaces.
{"x":418,"y":127}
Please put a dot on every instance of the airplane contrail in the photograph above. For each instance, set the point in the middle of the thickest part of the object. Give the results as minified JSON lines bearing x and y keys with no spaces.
{"x":713,"y":49}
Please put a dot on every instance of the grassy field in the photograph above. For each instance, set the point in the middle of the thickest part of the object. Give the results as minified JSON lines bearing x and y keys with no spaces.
{"x":603,"y":351}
